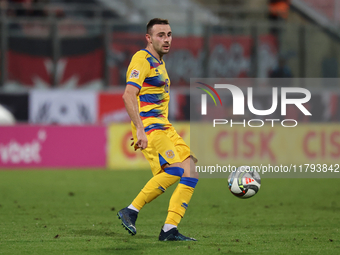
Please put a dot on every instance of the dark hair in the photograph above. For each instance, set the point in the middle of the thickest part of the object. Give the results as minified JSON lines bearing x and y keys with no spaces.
{"x":155,"y":21}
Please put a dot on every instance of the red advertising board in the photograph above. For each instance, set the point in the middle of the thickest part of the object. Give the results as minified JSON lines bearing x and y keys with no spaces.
{"x":111,"y":108}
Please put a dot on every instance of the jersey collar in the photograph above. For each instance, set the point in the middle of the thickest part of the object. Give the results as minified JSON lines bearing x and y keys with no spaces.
{"x":153,"y":56}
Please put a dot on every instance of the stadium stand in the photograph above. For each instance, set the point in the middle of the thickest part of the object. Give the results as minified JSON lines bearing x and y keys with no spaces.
{"x":58,"y":8}
{"x":236,"y":10}
{"x":329,"y":8}
{"x":178,"y":10}
{"x":323,"y":13}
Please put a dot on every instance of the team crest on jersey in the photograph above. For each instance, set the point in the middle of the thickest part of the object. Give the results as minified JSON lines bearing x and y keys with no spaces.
{"x":170,"y":153}
{"x":134,"y":74}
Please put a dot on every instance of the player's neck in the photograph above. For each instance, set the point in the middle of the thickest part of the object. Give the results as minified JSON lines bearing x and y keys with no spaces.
{"x":154,"y":53}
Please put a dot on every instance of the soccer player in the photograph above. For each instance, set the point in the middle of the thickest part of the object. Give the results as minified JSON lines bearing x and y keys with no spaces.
{"x":146,"y":99}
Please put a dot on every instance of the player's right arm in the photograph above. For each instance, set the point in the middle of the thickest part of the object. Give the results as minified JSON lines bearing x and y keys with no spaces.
{"x":131,"y":105}
{"x":137,"y":72}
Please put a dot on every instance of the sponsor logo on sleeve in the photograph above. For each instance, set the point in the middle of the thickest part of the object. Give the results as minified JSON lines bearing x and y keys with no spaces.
{"x":134,"y":74}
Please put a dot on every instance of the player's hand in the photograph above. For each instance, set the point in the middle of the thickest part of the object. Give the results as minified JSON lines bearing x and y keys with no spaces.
{"x":133,"y":144}
{"x":142,"y":140}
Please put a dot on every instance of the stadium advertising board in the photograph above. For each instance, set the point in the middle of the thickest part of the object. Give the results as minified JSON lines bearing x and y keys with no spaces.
{"x":52,"y":146}
{"x":63,"y":107}
{"x":312,"y":143}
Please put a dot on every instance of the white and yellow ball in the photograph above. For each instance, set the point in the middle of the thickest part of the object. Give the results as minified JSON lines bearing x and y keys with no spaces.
{"x":244,"y":182}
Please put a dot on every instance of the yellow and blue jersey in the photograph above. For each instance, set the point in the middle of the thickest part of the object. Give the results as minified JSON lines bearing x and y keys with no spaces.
{"x":149,"y":75}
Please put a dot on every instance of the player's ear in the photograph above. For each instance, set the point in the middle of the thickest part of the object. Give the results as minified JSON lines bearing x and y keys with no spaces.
{"x":148,"y":38}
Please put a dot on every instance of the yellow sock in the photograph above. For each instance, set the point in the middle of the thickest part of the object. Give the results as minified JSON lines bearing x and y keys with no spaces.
{"x":180,"y":199}
{"x":157,"y":185}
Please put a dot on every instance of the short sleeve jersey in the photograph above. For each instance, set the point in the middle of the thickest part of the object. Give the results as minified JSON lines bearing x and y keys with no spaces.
{"x":149,"y":75}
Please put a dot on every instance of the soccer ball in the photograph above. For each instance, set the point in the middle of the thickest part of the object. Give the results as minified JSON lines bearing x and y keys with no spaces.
{"x":244,"y":182}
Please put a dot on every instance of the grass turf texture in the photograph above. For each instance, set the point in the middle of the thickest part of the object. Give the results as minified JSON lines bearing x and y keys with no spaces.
{"x":74,"y":212}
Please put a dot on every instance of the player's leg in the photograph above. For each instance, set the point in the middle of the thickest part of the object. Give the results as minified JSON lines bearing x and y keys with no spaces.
{"x":182,"y":195}
{"x":157,"y":185}
{"x":153,"y":188}
{"x":162,"y":179}
{"x":161,"y":153}
{"x":179,"y":202}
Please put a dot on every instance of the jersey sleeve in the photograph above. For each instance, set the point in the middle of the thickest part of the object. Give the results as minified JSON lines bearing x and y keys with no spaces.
{"x":137,"y":72}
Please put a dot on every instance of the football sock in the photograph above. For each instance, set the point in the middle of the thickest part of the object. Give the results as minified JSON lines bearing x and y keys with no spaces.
{"x":167,"y":227}
{"x":157,"y":185}
{"x":133,"y":208}
{"x":180,"y":199}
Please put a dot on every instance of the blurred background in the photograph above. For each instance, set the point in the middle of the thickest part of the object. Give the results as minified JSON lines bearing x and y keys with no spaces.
{"x":63,"y":63}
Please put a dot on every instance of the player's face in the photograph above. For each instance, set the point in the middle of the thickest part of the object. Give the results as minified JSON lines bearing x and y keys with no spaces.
{"x":161,"y":38}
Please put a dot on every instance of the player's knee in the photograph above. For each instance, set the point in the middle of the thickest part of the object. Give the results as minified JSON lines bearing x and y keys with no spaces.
{"x":193,"y":171}
{"x":191,"y":174}
{"x":190,"y":169}
{"x":194,"y":174}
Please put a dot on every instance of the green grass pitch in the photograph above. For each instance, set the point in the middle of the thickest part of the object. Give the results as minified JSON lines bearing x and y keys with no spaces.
{"x":74,"y":212}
